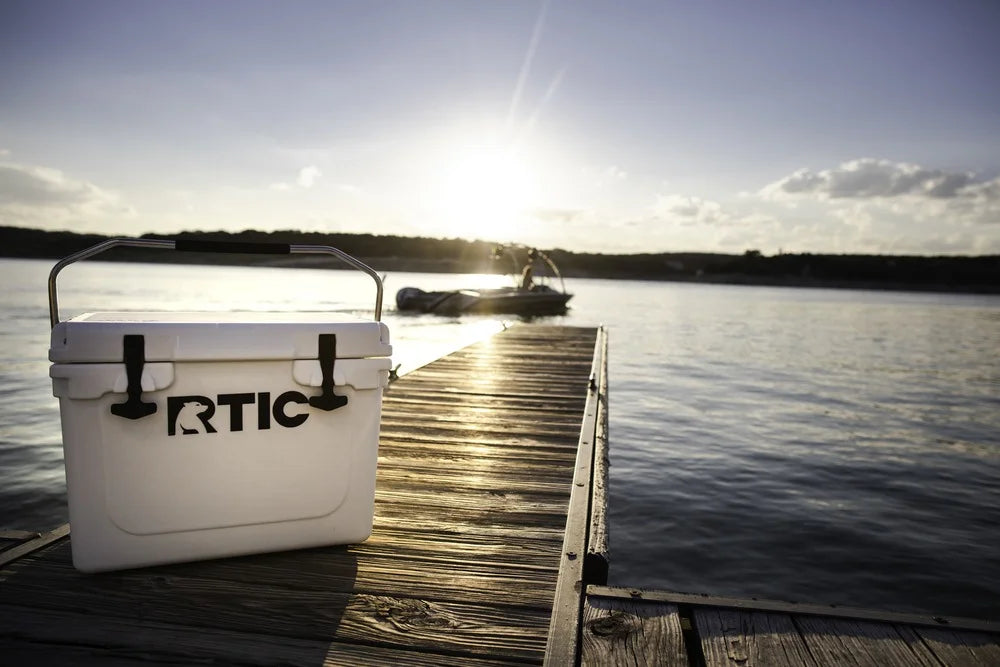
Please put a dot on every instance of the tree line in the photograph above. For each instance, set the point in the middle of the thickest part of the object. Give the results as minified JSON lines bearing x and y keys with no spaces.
{"x":388,"y":253}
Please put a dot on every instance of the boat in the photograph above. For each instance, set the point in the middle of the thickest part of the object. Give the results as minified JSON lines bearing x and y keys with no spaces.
{"x":539,"y":300}
{"x":529,"y":297}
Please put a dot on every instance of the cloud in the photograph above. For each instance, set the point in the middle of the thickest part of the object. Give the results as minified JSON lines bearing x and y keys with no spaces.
{"x":306,"y":179}
{"x":43,"y":197}
{"x":691,"y":210}
{"x":903,"y":207}
{"x":40,"y":186}
{"x":308,"y":176}
{"x":868,"y":178}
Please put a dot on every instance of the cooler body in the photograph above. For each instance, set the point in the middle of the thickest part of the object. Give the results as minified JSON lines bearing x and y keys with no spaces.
{"x":203,"y":435}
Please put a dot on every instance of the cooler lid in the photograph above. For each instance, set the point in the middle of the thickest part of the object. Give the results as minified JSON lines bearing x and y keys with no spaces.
{"x":215,"y":336}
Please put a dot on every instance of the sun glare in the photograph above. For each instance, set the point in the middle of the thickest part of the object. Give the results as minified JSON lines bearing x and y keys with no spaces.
{"x":486,"y":191}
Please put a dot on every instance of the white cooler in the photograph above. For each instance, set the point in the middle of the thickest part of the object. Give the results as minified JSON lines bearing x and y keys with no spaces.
{"x":204,"y":435}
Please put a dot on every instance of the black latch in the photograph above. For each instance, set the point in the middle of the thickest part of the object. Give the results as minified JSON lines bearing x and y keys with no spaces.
{"x":327,"y":400}
{"x":134,"y":356}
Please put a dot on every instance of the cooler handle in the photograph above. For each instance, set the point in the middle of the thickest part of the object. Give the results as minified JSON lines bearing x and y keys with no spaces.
{"x":187,"y":245}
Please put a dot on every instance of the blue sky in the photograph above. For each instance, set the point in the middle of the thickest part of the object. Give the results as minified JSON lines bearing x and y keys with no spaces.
{"x":597,"y":126}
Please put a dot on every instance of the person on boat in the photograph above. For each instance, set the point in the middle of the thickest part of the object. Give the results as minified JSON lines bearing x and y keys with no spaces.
{"x":526,"y":281}
{"x":526,"y":274}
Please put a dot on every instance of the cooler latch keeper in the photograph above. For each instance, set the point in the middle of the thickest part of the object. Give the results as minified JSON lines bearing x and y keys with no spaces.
{"x":134,"y":357}
{"x":327,"y":400}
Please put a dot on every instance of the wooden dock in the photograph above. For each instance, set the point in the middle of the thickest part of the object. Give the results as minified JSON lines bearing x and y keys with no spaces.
{"x":477,"y":457}
{"x":635,"y":627}
{"x":490,"y":547}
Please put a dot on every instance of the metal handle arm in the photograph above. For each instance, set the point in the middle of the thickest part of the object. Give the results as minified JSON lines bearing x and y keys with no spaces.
{"x":209,"y":246}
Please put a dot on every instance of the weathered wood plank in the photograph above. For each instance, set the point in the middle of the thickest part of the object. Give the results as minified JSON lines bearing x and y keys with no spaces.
{"x":558,"y":395}
{"x":340,"y":569}
{"x":512,"y":394}
{"x":740,"y":638}
{"x":12,"y":534}
{"x":8,"y":543}
{"x":562,"y":647}
{"x":469,"y":458}
{"x":406,"y":436}
{"x":837,"y":641}
{"x":442,"y":385}
{"x":441,"y":523}
{"x":961,"y":648}
{"x":513,"y":550}
{"x":802,"y":608}
{"x":457,"y":502}
{"x":425,"y":474}
{"x":462,"y":429}
{"x":500,"y":517}
{"x":595,"y":567}
{"x":498,"y":447}
{"x":561,"y":388}
{"x":29,"y":546}
{"x":382,"y":620}
{"x":511,"y":379}
{"x":515,"y":357}
{"x":631,"y":632}
{"x":72,"y":639}
{"x":556,"y":399}
{"x":14,"y":652}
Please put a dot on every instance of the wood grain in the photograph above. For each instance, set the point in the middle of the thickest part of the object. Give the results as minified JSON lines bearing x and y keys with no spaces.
{"x":29,"y":546}
{"x":735,"y":637}
{"x":631,"y":632}
{"x":739,"y":632}
{"x":8,"y":543}
{"x":597,"y":564}
{"x":344,"y":570}
{"x":563,"y":645}
{"x":105,"y":640}
{"x":836,"y":641}
{"x":960,"y":648}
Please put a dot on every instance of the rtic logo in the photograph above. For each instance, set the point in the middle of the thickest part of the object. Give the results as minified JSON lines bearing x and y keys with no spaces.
{"x":193,"y":414}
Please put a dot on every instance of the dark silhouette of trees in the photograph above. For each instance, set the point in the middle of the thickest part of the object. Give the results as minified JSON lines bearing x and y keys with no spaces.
{"x":397,"y":253}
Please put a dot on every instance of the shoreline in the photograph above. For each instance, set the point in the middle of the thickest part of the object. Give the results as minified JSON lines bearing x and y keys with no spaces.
{"x":416,"y":265}
{"x":911,"y":273}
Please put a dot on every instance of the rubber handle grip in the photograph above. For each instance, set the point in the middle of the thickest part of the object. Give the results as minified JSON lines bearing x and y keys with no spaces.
{"x":189,"y":245}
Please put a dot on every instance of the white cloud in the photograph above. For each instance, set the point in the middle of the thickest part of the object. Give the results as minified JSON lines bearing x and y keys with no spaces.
{"x":689,"y":223}
{"x":306,"y":179}
{"x":43,"y":197}
{"x":691,"y":210}
{"x":308,"y":176}
{"x":40,"y":186}
{"x":884,"y":206}
{"x":868,"y":178}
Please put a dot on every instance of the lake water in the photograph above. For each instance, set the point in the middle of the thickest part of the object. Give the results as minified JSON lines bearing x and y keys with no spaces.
{"x":833,"y":446}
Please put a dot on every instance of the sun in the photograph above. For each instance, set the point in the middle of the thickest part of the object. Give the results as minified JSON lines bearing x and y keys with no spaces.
{"x":484,"y":190}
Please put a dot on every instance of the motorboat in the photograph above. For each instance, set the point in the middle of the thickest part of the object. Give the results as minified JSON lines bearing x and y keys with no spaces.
{"x":538,"y":300}
{"x":531,"y":296}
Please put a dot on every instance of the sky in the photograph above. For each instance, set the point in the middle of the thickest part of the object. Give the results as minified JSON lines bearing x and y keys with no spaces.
{"x":616,"y":127}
